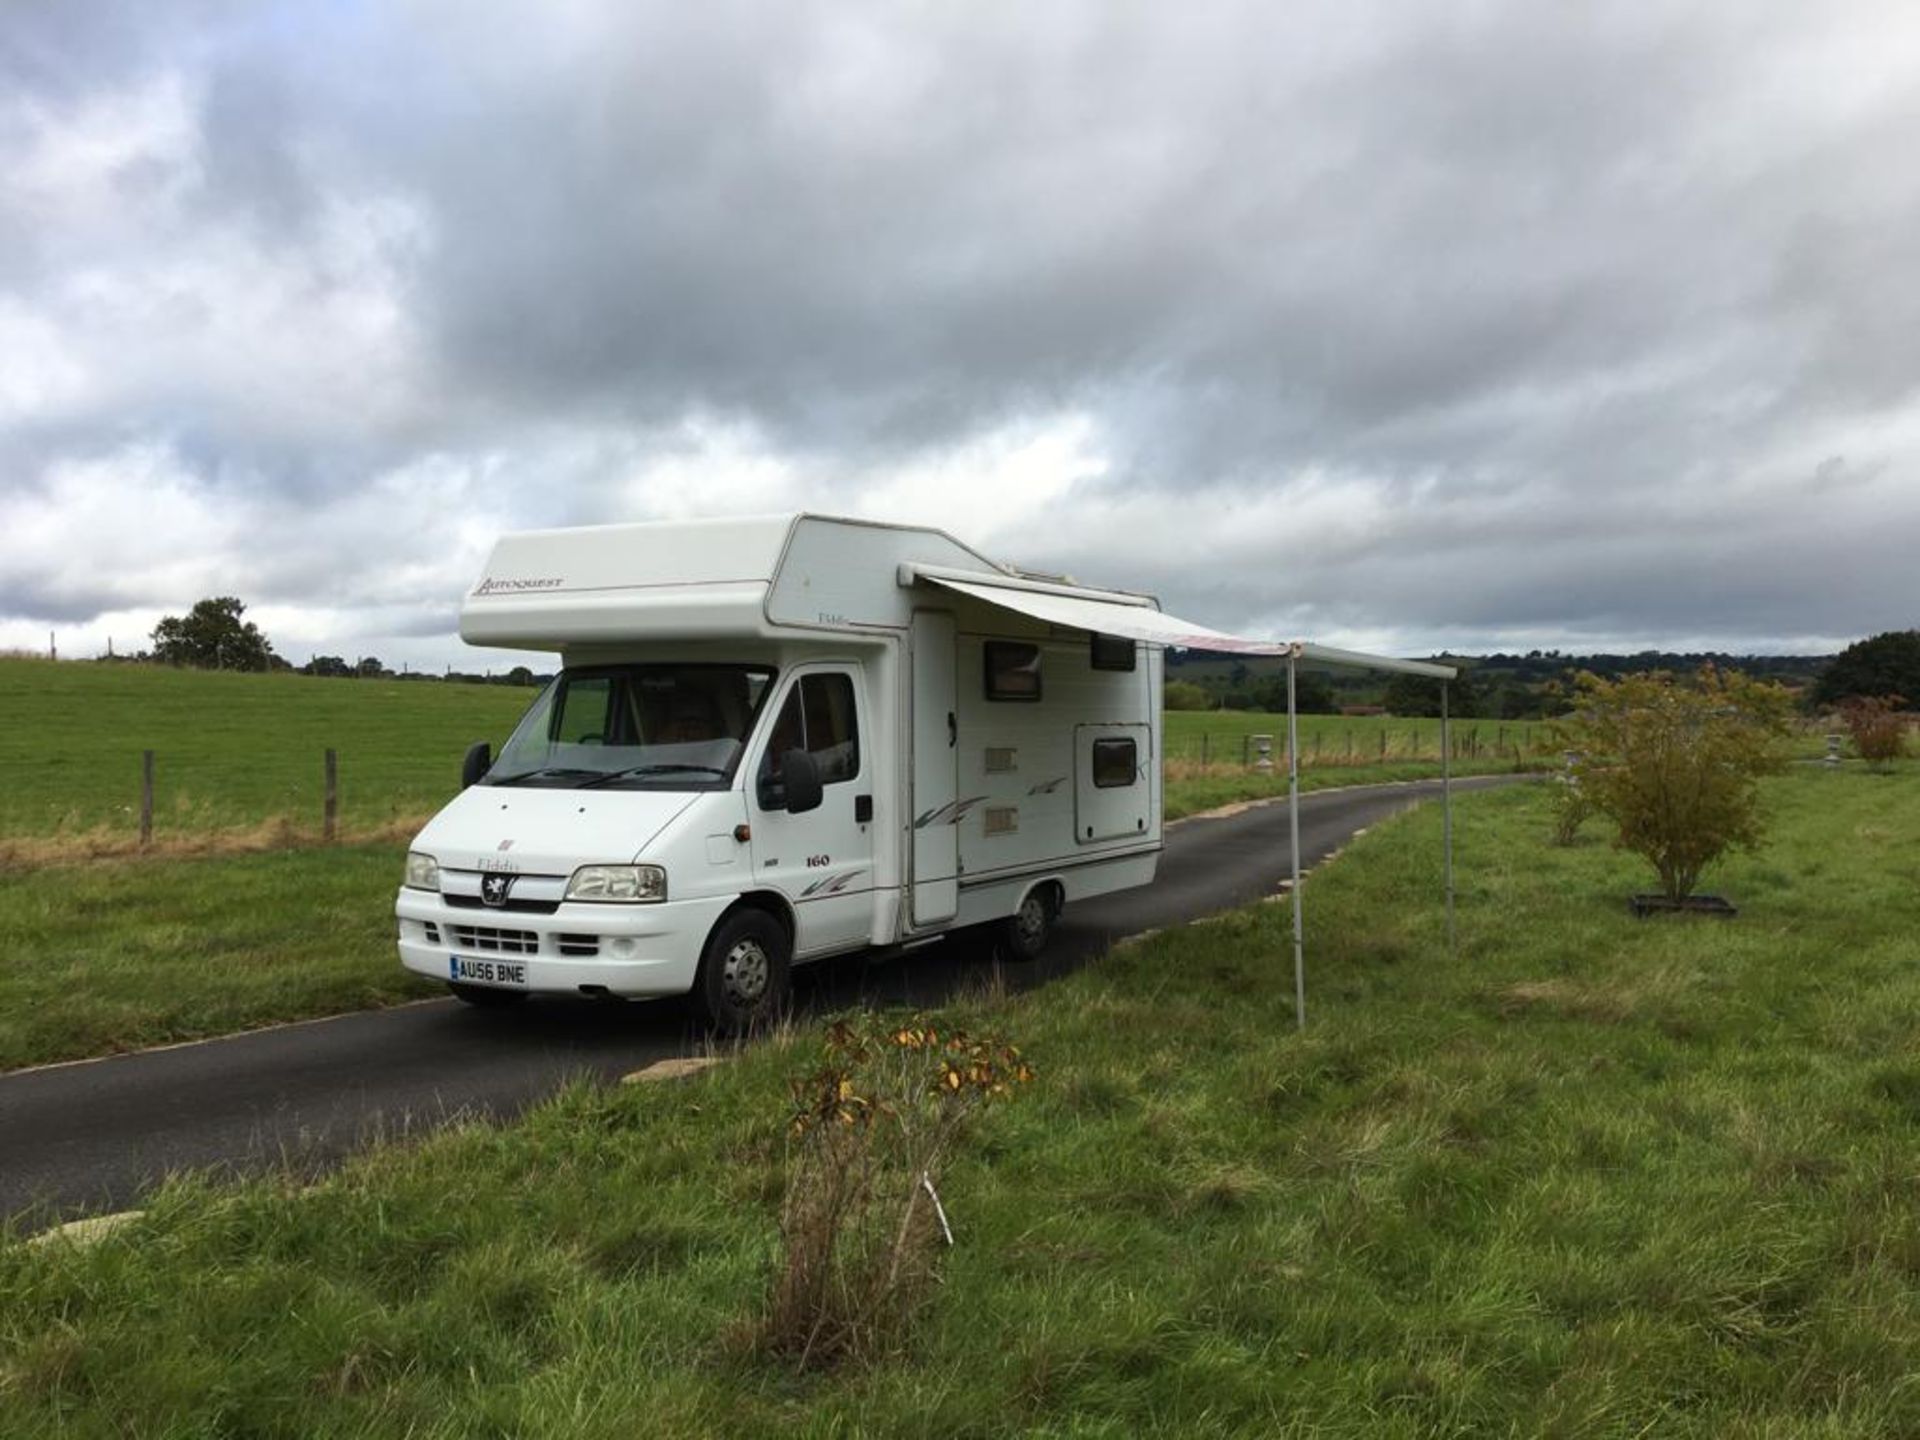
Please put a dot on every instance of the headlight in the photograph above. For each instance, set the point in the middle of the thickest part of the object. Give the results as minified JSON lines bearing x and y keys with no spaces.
{"x":627,"y":884}
{"x":423,"y":871}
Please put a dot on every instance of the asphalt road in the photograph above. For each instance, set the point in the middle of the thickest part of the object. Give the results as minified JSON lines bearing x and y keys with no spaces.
{"x":92,"y":1135}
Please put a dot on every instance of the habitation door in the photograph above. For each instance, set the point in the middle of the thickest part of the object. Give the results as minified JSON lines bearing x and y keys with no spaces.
{"x":936,"y":758}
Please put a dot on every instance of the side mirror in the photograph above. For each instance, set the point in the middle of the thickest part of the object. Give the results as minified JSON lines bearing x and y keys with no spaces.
{"x":479,"y":760}
{"x":802,"y":774}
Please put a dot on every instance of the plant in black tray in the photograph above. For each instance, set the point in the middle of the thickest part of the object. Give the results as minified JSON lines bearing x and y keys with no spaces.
{"x":1676,"y":765}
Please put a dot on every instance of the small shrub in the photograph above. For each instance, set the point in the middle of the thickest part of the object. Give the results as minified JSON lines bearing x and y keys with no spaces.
{"x":1676,"y":766}
{"x":1571,"y":809}
{"x":1878,"y":728}
{"x":861,"y":1222}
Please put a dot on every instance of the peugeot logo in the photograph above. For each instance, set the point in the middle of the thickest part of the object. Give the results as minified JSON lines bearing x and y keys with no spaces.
{"x":493,"y":889}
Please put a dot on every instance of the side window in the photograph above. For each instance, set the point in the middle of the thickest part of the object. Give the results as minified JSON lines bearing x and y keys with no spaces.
{"x":587,"y":714}
{"x":833,"y":734}
{"x":1115,"y":764}
{"x":818,"y":717}
{"x":1112,"y":652}
{"x":1013,"y":670}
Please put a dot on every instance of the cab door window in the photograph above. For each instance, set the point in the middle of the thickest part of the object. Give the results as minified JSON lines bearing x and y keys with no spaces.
{"x":586,"y":716}
{"x":819,"y":716}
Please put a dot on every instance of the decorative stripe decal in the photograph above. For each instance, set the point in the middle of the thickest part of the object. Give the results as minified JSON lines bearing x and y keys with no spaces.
{"x":949,"y":814}
{"x":831,"y":884}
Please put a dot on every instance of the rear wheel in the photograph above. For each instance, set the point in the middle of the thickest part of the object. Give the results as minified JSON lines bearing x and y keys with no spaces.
{"x":743,"y":978}
{"x":1024,"y":934}
{"x":485,"y":996}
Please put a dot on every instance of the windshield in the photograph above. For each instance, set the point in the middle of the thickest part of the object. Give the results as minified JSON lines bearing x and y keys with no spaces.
{"x":652,"y":727}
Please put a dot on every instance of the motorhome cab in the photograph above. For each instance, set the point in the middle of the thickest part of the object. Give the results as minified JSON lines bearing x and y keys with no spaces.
{"x":774,"y":740}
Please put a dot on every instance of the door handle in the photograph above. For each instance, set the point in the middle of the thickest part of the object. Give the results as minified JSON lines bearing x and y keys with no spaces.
{"x":953,"y":731}
{"x":863,"y":809}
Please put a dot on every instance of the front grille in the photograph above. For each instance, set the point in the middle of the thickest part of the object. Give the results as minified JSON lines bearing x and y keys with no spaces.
{"x":524,"y":907}
{"x":578,"y":946}
{"x":486,"y":938}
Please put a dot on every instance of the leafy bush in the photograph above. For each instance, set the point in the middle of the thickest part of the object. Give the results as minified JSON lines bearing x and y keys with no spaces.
{"x":1185,"y":695}
{"x":862,"y":1221}
{"x":1878,"y":728}
{"x":1676,"y":766}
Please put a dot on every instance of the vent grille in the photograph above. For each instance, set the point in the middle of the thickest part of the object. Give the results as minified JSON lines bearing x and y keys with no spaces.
{"x":523,"y":907}
{"x":1001,"y":819}
{"x":1002,"y":759}
{"x":579,"y":946}
{"x":488,"y":940}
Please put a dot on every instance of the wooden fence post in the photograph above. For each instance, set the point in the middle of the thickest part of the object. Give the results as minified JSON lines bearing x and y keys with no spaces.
{"x":1203,"y":749}
{"x":146,"y":798}
{"x":1246,"y":749}
{"x":331,"y":812}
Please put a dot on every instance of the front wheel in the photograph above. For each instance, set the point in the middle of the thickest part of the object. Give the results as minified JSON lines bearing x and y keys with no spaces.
{"x":1024,"y":934}
{"x":743,"y":978}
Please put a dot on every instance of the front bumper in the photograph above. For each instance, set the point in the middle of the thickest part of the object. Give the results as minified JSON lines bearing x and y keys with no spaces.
{"x":635,"y":951}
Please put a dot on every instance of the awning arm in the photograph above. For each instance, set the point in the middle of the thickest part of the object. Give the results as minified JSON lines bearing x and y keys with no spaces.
{"x":1328,"y":655}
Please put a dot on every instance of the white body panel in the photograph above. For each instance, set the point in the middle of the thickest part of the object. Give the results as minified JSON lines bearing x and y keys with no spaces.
{"x":942,"y":825}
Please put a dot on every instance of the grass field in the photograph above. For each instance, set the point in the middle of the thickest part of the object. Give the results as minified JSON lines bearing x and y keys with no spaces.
{"x":239,"y":757}
{"x":115,"y":955}
{"x":1222,"y":736}
{"x":233,"y":751}
{"x":1587,"y":1176}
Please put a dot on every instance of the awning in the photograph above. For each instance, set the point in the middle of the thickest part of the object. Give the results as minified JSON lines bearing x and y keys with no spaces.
{"x":1136,"y":617}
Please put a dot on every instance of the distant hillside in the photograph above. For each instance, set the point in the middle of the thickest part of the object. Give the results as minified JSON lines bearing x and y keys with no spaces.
{"x":1510,"y":686}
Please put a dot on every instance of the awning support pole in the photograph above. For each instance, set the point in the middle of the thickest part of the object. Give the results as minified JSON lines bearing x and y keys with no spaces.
{"x":1446,"y":807}
{"x":1293,"y":821}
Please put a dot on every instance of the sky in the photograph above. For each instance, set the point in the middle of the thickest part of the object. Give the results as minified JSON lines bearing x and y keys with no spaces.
{"x":1407,"y":327}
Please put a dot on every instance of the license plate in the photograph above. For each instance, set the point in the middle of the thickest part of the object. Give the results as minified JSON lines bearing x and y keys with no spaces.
{"x":511,"y":973}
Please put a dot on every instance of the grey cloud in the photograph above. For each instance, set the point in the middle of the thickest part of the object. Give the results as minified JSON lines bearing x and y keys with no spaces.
{"x":1572,"y":290}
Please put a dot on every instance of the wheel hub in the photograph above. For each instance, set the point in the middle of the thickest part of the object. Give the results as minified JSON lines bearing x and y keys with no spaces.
{"x":746,"y":972}
{"x":1032,"y":918}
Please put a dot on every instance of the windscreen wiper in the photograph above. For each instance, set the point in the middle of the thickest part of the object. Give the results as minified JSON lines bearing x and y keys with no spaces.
{"x":543,"y":770}
{"x":633,"y":771}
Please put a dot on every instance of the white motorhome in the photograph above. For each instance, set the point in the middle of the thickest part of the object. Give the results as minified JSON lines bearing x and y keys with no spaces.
{"x":775,"y":740}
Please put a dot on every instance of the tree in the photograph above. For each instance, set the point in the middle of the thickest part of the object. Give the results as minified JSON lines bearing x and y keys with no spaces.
{"x":370,"y":668}
{"x":1677,"y":766}
{"x":1886,"y":664}
{"x":1419,"y":695}
{"x":1312,"y":694}
{"x":212,"y":636}
{"x":332,"y":666}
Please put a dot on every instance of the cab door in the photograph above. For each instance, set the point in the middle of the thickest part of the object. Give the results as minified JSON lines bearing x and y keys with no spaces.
{"x":822,"y":859}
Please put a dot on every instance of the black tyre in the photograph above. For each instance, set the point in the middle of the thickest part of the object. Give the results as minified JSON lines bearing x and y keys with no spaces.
{"x":744,"y":973}
{"x":1024,"y":934}
{"x":485,"y":996}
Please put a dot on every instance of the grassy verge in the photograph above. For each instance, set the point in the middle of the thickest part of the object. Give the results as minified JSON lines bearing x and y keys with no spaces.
{"x":1588,"y":1176}
{"x":118,"y":955}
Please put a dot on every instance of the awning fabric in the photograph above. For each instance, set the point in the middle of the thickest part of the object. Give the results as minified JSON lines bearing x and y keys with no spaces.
{"x":1134,"y":617}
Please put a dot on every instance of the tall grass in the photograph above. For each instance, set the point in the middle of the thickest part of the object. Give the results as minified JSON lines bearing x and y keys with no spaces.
{"x":1585,"y":1176}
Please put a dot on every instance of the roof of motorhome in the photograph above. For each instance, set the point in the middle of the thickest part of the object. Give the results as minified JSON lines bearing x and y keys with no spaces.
{"x":767,"y":574}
